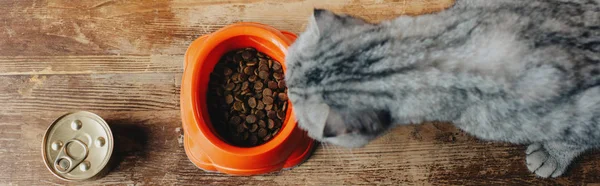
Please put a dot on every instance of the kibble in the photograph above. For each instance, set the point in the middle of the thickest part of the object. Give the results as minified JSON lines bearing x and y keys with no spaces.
{"x":268,"y":100}
{"x":247,"y":97}
{"x":272,"y":85}
{"x":267,"y":92}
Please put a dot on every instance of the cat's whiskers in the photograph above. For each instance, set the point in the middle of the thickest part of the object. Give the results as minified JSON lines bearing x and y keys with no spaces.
{"x":352,"y":154}
{"x":324,"y":147}
{"x":333,"y":150}
{"x":339,"y":154}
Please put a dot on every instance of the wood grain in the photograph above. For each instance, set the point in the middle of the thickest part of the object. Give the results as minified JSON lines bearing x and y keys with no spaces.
{"x":95,"y":64}
{"x":65,"y":27}
{"x":123,"y":61}
{"x":119,"y":92}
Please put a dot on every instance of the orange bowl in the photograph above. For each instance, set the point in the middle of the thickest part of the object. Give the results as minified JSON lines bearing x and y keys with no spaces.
{"x":201,"y":142}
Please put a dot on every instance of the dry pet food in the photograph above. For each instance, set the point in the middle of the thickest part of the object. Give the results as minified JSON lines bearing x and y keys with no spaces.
{"x":247,"y":97}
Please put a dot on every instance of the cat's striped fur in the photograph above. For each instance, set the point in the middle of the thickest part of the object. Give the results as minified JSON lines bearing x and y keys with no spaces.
{"x":518,"y":71}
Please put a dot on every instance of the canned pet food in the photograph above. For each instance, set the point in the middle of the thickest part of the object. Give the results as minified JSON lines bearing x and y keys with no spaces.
{"x":78,"y":146}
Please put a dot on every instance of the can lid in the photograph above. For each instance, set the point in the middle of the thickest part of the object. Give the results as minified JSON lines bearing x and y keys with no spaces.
{"x":77,"y":146}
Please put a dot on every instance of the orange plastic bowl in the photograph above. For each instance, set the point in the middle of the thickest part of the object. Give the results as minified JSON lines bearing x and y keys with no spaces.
{"x":201,"y":142}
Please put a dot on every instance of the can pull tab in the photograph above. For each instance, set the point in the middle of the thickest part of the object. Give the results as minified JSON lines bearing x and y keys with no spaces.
{"x":64,"y":163}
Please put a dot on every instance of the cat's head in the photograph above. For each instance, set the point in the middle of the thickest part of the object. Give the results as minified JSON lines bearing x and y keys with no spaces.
{"x":329,"y":102}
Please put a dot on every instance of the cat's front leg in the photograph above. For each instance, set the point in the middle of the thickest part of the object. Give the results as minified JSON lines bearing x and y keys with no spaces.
{"x":551,"y":158}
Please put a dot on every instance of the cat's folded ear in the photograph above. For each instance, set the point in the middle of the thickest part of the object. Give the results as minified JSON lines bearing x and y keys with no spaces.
{"x":324,"y":21}
{"x":319,"y":20}
{"x":363,"y":121}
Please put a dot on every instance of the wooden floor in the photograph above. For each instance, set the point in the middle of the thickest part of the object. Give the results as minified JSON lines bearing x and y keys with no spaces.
{"x":123,"y":60}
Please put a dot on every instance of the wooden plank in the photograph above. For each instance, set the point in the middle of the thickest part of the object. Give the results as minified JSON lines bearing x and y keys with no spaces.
{"x":63,"y":27}
{"x":151,"y":153}
{"x":117,"y":92}
{"x":97,"y":64}
{"x":123,"y":60}
{"x":143,"y":110}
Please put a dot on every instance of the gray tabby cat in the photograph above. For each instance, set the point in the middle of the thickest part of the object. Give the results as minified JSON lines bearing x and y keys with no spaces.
{"x":525,"y":72}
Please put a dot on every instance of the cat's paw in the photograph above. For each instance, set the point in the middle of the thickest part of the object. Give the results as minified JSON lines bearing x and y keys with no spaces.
{"x":543,"y":163}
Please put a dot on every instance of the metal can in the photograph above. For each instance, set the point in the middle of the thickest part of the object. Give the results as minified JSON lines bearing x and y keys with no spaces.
{"x":78,"y":146}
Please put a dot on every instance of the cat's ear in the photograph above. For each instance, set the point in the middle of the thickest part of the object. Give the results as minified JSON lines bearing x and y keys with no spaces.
{"x":321,"y":20}
{"x":324,"y":21}
{"x":344,"y":121}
